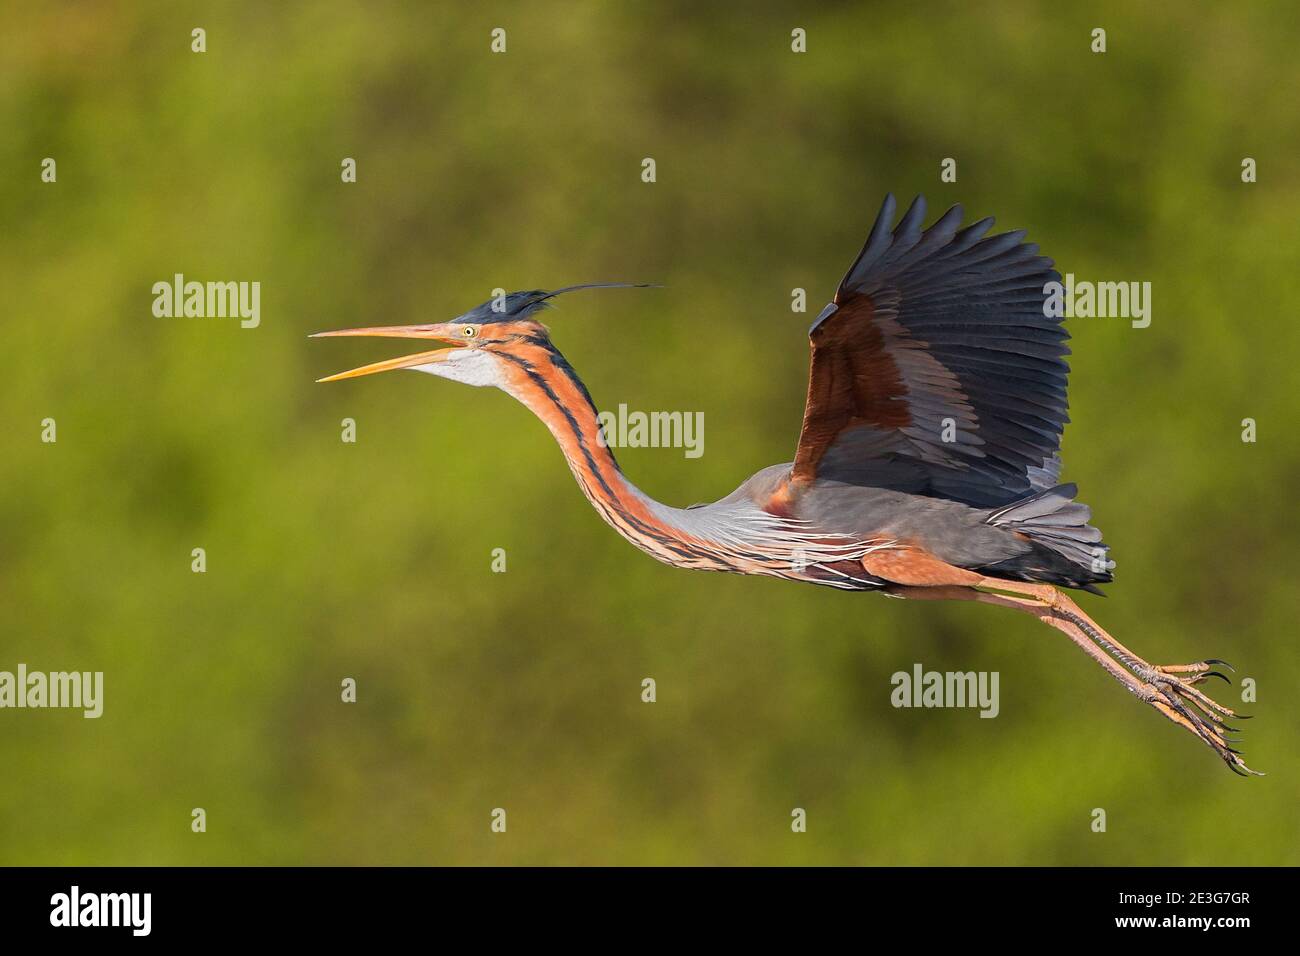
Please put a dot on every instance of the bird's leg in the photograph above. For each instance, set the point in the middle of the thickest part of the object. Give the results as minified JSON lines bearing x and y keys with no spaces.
{"x":1166,"y":673}
{"x":1032,"y":606}
{"x":1162,"y":685}
{"x":1174,"y":697}
{"x":1200,"y":671}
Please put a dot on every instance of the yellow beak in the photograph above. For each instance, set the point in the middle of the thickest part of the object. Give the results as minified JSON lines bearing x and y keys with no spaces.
{"x":442,"y":332}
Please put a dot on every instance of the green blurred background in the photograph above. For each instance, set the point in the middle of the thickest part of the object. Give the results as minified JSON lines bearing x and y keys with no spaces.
{"x":372,"y":560}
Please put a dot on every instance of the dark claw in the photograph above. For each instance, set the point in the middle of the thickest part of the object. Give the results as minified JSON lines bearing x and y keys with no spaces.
{"x":1232,"y":765}
{"x":1239,"y":753}
{"x":1215,"y":660}
{"x":1222,"y":677}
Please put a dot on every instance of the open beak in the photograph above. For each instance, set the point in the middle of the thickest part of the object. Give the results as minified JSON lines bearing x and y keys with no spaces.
{"x":441,"y":332}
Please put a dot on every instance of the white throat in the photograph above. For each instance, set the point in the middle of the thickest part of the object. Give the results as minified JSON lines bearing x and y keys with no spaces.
{"x":470,"y":366}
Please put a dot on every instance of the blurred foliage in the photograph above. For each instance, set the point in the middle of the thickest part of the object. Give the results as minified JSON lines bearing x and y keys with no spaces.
{"x":521,"y":690}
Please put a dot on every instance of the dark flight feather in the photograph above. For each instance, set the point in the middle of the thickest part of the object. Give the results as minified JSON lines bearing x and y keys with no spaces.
{"x":932,"y":328}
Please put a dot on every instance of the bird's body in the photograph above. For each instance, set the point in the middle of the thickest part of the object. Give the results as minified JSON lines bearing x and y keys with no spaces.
{"x":818,"y":532}
{"x":928,"y":459}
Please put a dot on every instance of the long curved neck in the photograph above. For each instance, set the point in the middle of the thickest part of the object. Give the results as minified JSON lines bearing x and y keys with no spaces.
{"x":731,"y":535}
{"x":542,"y":379}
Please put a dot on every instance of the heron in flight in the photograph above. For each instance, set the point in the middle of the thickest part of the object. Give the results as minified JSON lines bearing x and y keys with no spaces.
{"x":927,"y":465}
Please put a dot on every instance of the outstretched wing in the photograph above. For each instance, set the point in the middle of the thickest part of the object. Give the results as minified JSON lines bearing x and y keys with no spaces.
{"x":936,"y":370}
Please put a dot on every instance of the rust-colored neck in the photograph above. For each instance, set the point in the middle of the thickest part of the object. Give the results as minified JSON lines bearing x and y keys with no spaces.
{"x":541,"y":378}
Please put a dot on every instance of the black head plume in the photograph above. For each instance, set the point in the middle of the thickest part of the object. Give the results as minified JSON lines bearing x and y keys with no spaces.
{"x":518,"y":305}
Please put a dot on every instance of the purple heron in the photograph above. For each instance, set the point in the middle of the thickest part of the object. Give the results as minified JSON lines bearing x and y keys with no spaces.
{"x":927,"y":465}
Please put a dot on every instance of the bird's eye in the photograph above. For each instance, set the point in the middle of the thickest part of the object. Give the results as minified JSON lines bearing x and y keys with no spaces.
{"x":469,"y":331}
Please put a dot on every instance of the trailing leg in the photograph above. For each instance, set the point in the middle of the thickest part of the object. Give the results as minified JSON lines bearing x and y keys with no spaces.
{"x":1176,"y":697}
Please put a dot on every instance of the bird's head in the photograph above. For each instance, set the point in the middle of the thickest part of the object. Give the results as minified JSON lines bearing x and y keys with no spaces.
{"x":480,"y":346}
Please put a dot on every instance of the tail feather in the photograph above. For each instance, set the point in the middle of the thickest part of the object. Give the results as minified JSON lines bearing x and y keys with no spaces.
{"x":1065,"y":549}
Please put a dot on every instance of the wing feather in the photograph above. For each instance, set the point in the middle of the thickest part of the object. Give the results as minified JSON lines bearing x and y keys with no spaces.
{"x":936,"y":369}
